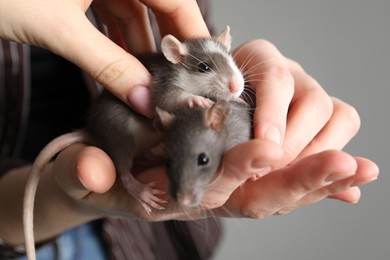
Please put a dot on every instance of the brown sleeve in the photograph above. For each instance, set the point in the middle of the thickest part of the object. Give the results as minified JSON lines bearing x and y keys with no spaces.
{"x":170,"y":240}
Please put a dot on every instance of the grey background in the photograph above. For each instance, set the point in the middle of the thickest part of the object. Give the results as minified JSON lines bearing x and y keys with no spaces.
{"x":345,"y":46}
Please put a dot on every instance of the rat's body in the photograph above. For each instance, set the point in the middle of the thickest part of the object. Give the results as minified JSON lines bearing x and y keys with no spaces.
{"x":195,"y":142}
{"x":125,"y":135}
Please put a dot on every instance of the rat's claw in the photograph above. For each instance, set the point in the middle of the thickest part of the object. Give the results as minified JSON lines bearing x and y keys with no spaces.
{"x":145,"y":206}
{"x":156,"y":206}
{"x":147,"y":196}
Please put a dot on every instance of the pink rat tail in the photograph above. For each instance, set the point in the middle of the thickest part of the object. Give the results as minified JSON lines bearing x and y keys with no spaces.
{"x":43,"y":158}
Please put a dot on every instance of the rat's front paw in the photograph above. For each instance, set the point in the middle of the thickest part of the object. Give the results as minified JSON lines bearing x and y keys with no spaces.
{"x":197,"y":101}
{"x":147,"y":197}
{"x":146,"y":194}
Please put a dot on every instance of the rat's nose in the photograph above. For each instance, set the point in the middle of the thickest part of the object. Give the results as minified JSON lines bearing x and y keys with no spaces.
{"x":189,"y":199}
{"x":185,"y":200}
{"x":236,"y":84}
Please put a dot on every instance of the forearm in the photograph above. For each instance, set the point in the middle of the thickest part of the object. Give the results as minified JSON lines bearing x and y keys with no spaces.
{"x":54,"y":210}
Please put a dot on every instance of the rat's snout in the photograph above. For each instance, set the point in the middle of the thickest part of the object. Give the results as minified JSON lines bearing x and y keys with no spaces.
{"x":236,"y":84}
{"x":189,"y":198}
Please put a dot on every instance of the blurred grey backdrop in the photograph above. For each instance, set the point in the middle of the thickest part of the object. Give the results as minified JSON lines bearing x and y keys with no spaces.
{"x":345,"y":45}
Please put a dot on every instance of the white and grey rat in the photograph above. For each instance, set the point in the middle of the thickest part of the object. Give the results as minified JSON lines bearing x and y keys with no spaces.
{"x":194,"y":143}
{"x":124,"y":134}
{"x":191,"y":73}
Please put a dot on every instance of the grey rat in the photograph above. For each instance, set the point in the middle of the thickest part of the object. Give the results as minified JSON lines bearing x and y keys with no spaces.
{"x":124,"y":134}
{"x":192,"y":72}
{"x":195,"y":141}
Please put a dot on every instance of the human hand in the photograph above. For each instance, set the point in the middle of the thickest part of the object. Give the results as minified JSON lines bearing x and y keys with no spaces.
{"x":63,"y":28}
{"x":81,"y":186}
{"x":308,"y":168}
{"x":292,"y":109}
{"x":88,"y":175}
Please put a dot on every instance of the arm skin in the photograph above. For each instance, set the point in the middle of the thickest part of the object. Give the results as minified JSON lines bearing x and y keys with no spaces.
{"x":296,"y":161}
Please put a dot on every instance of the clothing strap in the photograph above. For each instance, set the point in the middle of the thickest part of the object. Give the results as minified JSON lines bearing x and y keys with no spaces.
{"x":14,"y":96}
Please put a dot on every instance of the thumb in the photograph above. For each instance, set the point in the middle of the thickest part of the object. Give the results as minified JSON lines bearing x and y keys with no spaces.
{"x":243,"y":161}
{"x":256,"y":157}
{"x":81,"y":169}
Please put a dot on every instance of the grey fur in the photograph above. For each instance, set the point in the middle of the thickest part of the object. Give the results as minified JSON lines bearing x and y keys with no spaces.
{"x":189,"y":137}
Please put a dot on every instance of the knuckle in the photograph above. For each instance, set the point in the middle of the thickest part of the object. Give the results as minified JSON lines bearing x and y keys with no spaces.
{"x":294,"y":65}
{"x":249,"y":212}
{"x":330,"y":157}
{"x":281,"y":73}
{"x":291,"y":149}
{"x":112,"y":73}
{"x":321,"y":101}
{"x":261,"y":43}
{"x":283,"y":212}
{"x":348,"y":115}
{"x":296,"y":187}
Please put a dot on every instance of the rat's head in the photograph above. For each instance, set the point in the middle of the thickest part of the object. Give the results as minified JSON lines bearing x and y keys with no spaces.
{"x":205,"y":65}
{"x":194,"y":146}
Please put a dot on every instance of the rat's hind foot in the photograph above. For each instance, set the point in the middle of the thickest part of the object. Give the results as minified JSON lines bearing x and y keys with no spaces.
{"x":146,"y":194}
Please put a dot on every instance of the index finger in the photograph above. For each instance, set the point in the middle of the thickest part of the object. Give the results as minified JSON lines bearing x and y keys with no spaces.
{"x":179,"y":17}
{"x":128,"y":24}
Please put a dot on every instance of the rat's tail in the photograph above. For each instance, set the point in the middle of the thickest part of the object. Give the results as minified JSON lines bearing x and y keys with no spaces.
{"x":39,"y":164}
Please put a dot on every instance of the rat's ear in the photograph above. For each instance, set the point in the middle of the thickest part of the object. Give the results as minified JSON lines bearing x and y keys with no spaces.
{"x":173,"y":49}
{"x":163,"y":120}
{"x":225,"y":38}
{"x":216,"y":115}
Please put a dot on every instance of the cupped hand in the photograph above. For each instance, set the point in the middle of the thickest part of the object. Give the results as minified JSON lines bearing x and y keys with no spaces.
{"x":295,"y":122}
{"x":63,"y":28}
{"x":292,"y":109}
{"x":87,"y":174}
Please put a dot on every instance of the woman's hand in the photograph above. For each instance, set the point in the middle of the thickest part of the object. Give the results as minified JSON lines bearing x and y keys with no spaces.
{"x":295,"y":122}
{"x":63,"y":28}
{"x":292,"y":109}
{"x":88,"y":176}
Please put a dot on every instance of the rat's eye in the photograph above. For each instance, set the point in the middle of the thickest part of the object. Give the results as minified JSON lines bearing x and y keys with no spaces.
{"x":204,"y":67}
{"x":203,"y":159}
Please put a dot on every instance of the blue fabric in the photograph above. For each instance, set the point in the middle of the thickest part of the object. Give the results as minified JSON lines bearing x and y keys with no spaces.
{"x":80,"y":243}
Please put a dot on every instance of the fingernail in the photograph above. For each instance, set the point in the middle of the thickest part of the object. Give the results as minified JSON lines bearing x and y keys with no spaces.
{"x":366,"y":181}
{"x":139,"y":99}
{"x":273,"y":134}
{"x":334,"y":177}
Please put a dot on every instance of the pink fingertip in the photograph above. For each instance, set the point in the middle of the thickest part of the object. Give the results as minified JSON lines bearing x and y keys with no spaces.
{"x":139,"y":99}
